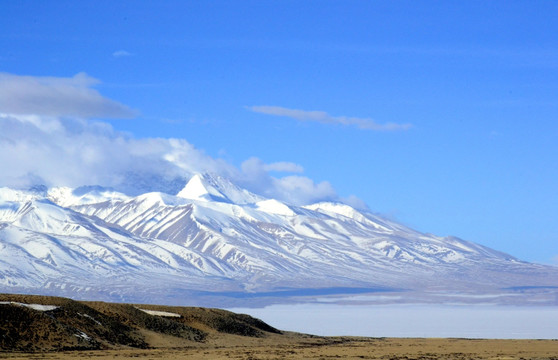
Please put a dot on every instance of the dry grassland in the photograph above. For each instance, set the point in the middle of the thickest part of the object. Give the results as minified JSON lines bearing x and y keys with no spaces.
{"x":303,"y":347}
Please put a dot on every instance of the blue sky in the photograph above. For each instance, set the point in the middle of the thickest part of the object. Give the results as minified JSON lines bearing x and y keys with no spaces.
{"x":440,"y":114}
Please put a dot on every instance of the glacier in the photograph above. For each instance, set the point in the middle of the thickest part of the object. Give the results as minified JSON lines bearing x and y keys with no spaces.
{"x":216,"y":243}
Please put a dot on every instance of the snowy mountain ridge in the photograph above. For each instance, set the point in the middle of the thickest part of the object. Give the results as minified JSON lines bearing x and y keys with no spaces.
{"x":215,"y":237}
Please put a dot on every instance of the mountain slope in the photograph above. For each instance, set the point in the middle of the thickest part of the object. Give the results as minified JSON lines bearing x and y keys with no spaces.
{"x":214,"y":237}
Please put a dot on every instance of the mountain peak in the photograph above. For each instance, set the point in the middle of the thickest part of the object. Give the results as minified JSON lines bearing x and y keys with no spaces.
{"x":199,"y":188}
{"x":208,"y":187}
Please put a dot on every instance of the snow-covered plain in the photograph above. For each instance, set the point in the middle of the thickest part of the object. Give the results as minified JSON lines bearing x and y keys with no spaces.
{"x":411,"y":320}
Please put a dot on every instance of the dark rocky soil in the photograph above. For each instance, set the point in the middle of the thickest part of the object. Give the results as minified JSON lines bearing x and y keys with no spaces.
{"x":78,"y":325}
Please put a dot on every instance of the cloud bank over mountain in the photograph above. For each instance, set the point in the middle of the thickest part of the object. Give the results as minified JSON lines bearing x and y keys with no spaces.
{"x":50,"y":134}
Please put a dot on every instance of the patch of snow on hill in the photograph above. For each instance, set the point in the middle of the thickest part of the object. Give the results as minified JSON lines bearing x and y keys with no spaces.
{"x":37,"y":307}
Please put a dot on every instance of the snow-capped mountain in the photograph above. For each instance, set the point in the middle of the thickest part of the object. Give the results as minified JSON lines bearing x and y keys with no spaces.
{"x":214,"y":237}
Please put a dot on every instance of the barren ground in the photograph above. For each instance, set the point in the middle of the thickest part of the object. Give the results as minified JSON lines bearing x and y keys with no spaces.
{"x":302,"y":347}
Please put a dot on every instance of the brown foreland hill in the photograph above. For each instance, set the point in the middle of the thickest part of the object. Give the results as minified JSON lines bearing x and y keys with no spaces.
{"x":33,"y":327}
{"x":43,"y":323}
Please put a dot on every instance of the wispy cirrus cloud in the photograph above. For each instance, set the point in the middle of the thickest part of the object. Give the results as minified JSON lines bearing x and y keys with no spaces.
{"x":121,"y":53}
{"x":284,"y":166}
{"x":57,"y":96}
{"x":325,"y":118}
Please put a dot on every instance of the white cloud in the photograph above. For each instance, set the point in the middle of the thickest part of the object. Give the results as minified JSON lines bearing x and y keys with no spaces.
{"x":302,"y":190}
{"x":293,"y":189}
{"x":121,"y":53}
{"x":284,"y":166}
{"x":75,"y":152}
{"x":325,"y":118}
{"x":56,"y":96}
{"x":56,"y":146}
{"x":355,"y":202}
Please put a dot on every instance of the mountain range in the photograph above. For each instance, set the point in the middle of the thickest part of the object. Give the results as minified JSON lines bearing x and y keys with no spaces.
{"x":215,"y":242}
